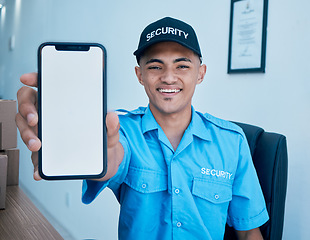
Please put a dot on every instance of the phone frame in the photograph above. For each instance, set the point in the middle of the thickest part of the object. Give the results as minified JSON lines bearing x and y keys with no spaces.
{"x":72,"y":46}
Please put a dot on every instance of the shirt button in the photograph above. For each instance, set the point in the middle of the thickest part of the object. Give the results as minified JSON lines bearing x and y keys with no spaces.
{"x":179,"y":224}
{"x":177,"y":191}
{"x":216,"y":196}
{"x":143,"y":185}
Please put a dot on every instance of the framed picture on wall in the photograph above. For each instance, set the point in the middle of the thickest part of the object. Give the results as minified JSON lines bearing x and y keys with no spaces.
{"x":247,"y":36}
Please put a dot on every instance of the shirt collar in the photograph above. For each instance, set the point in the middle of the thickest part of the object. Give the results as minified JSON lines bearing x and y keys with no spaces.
{"x":196,"y":127}
{"x":148,"y":121}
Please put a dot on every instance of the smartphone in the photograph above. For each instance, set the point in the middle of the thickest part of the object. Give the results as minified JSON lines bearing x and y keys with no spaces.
{"x":72,"y":110}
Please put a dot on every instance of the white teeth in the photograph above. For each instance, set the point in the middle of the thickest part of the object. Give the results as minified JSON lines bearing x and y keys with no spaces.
{"x":169,"y":90}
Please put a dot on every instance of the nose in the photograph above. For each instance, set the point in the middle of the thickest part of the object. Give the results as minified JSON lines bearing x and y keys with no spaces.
{"x":168,"y":77}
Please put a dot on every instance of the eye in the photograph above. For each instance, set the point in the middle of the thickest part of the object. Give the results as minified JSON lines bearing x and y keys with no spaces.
{"x":183,"y":67}
{"x":154,"y":67}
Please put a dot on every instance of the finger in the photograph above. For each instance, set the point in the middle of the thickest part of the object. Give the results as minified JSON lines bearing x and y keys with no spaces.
{"x":28,"y":134}
{"x":30,"y":79}
{"x":112,"y":123}
{"x":27,"y":101}
{"x":36,"y":175}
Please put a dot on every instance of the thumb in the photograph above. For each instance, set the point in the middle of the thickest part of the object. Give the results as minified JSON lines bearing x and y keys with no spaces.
{"x":113,"y":125}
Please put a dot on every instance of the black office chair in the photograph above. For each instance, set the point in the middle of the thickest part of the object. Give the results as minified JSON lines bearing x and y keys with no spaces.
{"x":269,"y":153}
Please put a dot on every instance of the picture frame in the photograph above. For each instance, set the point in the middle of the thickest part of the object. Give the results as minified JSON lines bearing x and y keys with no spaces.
{"x":247,"y":36}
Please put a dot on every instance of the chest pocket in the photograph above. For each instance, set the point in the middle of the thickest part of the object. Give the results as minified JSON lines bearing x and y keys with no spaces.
{"x":146,"y":181}
{"x":214,"y":192}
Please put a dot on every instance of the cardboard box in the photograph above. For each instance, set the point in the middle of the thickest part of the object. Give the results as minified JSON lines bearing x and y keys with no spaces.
{"x":13,"y":166}
{"x":3,"y":172}
{"x":8,"y":129}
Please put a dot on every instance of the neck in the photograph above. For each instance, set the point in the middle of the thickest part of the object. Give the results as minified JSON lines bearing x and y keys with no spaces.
{"x":173,"y":124}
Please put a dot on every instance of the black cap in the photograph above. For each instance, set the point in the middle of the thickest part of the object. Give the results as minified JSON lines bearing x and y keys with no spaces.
{"x":168,"y":30}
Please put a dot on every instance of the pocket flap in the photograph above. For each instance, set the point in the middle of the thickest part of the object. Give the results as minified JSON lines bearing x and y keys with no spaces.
{"x":146,"y":181}
{"x":215,"y":192}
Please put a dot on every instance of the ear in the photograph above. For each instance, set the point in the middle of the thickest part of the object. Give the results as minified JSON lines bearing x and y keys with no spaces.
{"x":139,"y":74}
{"x":202,"y":73}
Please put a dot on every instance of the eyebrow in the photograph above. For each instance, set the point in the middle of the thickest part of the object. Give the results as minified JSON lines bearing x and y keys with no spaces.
{"x":154,"y":60}
{"x":183,"y":59}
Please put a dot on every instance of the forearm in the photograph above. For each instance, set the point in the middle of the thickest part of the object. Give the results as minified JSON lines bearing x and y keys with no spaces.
{"x":253,"y":234}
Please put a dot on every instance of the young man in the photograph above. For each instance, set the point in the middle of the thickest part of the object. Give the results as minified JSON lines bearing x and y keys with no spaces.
{"x":177,"y":173}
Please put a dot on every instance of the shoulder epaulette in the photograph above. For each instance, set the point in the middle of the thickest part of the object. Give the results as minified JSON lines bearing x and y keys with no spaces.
{"x":138,"y":111}
{"x":224,"y":124}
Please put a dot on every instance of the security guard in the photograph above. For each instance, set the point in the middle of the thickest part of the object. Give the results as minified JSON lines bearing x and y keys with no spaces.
{"x":177,"y":173}
{"x":184,"y":174}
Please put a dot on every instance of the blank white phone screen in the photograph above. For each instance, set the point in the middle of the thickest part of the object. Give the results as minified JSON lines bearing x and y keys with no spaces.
{"x":72,"y":112}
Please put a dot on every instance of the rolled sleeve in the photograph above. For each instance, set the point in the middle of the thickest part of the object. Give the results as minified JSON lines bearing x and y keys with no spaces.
{"x":247,"y":209}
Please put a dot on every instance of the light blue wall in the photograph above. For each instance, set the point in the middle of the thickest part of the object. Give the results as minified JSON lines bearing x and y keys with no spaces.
{"x":277,"y":100}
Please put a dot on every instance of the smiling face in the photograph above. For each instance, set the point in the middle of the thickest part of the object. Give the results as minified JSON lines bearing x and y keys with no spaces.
{"x":169,"y":73}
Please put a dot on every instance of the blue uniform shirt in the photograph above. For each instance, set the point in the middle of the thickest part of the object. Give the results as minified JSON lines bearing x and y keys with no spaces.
{"x":189,"y":193}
